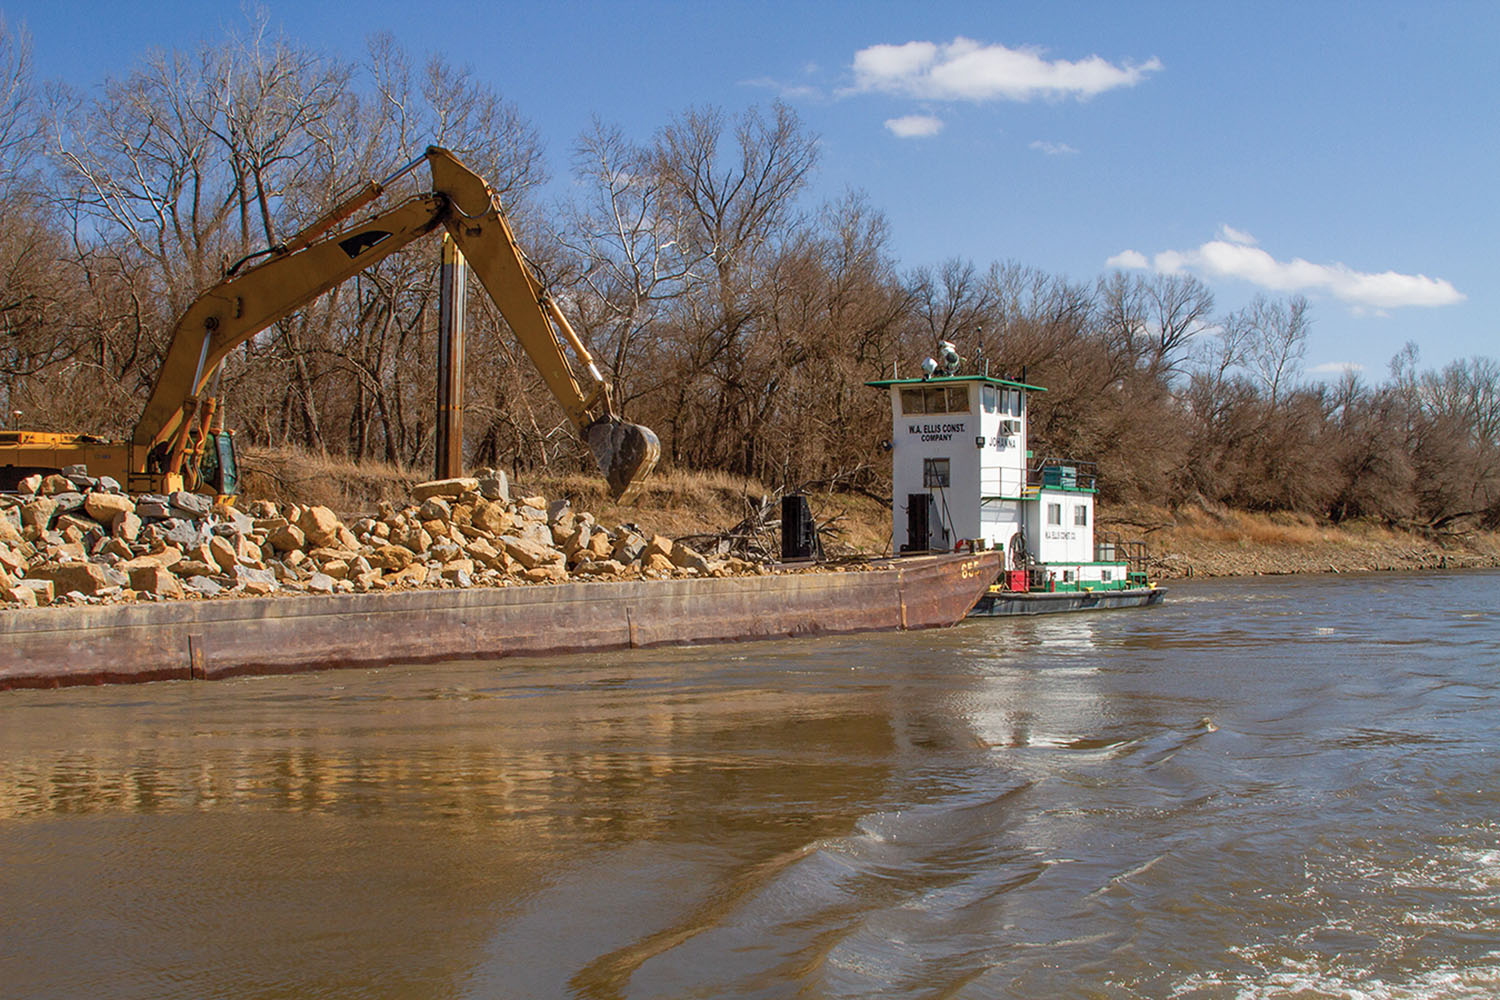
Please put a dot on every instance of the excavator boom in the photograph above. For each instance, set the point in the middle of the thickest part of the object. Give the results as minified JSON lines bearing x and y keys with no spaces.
{"x":311,"y":263}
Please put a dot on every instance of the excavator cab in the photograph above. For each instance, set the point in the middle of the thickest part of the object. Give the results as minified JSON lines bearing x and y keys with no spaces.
{"x":219,"y":469}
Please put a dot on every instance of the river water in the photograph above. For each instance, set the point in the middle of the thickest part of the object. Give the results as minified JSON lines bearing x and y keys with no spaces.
{"x":1264,"y":788}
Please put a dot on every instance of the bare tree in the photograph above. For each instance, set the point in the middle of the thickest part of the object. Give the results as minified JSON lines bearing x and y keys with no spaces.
{"x":631,"y":257}
{"x":1278,"y":342}
{"x":733,"y":209}
{"x":1150,"y":323}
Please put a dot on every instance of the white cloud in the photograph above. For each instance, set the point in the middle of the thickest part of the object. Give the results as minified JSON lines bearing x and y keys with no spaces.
{"x":1336,"y":368}
{"x":1130,"y":260}
{"x":791,"y":91}
{"x":1223,"y":258}
{"x":964,"y":69}
{"x":914,"y":126}
{"x":1233,"y":235}
{"x":1053,"y":148}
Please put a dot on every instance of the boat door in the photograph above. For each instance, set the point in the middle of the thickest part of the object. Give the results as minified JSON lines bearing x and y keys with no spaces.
{"x":924,"y":525}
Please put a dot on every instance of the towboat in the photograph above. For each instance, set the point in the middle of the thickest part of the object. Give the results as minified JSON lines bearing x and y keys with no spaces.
{"x":964,"y":479}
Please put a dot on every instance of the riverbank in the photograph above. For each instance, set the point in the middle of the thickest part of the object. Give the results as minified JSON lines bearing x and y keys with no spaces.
{"x":1192,"y":541}
{"x":1200,"y":541}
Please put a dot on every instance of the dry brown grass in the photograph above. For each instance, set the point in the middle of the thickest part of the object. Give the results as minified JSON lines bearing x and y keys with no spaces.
{"x":673,"y":502}
{"x":1208,"y":540}
{"x":290,"y":475}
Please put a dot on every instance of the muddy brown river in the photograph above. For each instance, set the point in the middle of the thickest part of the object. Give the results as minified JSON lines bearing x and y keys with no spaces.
{"x":1264,"y":788}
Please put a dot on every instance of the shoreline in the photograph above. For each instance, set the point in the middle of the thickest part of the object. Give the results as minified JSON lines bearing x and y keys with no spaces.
{"x":1200,"y":542}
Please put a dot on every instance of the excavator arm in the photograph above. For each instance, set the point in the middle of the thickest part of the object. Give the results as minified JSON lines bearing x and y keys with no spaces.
{"x":312,"y":263}
{"x":626,"y":453}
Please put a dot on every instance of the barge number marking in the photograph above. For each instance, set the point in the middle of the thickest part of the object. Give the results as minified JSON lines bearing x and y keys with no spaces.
{"x":969,"y":569}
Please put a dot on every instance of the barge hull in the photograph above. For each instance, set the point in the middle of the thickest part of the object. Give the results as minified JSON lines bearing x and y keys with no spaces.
{"x":996,"y":605}
{"x":54,"y":647}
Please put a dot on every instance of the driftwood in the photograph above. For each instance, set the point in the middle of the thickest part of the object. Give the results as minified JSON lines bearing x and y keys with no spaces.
{"x":757,"y":536}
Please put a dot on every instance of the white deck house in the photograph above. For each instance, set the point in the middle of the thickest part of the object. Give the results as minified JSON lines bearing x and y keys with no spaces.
{"x":962,"y":473}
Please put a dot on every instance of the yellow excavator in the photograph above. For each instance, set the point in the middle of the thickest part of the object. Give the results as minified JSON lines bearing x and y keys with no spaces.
{"x":180,"y":441}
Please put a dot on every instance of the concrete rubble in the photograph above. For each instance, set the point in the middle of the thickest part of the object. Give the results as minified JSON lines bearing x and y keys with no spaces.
{"x":75,"y":539}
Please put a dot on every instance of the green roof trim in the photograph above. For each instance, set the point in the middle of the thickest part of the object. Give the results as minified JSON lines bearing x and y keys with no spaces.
{"x":946,"y":379}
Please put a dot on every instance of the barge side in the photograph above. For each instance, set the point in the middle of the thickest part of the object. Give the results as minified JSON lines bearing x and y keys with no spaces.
{"x":55,"y":647}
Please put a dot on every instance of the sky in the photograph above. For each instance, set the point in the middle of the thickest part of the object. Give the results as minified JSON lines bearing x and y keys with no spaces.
{"x":1348,"y":152}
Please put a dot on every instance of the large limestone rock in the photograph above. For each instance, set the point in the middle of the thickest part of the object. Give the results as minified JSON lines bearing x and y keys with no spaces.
{"x":83,"y":577}
{"x":191,"y":504}
{"x":391,"y":557}
{"x":153,"y":578}
{"x":320,"y":525}
{"x":686,"y":558}
{"x":126,"y":526}
{"x":205,"y":586}
{"x":656,"y":563}
{"x":12,"y":594}
{"x":492,"y":517}
{"x":494,"y":485}
{"x":448,"y":489}
{"x":105,"y":507}
{"x":531,"y":554}
{"x":153,"y":506}
{"x":411,"y":536}
{"x":535,"y":531}
{"x":252,"y":580}
{"x":11,"y":561}
{"x":599,"y":546}
{"x":414,"y":575}
{"x":114,"y":547}
{"x":628,"y":547}
{"x":435,"y":509}
{"x":658,"y":545}
{"x":285,"y":537}
{"x":190,"y":568}
{"x":39,"y":513}
{"x":482,"y":552}
{"x":222,"y":553}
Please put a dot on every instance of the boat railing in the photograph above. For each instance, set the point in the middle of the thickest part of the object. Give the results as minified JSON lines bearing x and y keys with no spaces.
{"x":1063,"y":473}
{"x":1110,"y":547}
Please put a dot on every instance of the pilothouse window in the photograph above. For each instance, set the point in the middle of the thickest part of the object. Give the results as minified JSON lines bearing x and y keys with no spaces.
{"x":935,"y":399}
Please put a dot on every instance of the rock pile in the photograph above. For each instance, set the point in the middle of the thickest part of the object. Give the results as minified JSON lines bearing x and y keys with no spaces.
{"x":73,"y":538}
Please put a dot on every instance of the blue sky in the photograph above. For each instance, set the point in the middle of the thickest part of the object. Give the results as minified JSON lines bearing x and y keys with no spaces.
{"x":1345,"y":151}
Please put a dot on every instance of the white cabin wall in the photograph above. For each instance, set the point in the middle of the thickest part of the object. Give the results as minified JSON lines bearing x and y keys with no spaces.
{"x":986,"y":481}
{"x":1067,"y":541}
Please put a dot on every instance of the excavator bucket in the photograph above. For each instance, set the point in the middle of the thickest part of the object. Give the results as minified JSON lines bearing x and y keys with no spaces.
{"x":626,"y":454}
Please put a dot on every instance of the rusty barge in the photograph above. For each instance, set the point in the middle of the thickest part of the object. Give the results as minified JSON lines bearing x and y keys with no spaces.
{"x":206,"y":640}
